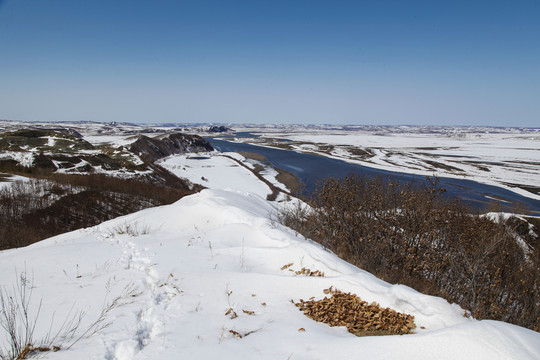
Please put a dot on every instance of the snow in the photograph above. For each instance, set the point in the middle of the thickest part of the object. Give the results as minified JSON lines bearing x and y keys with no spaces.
{"x":215,"y":172}
{"x":193,"y":260}
{"x":23,"y":158}
{"x":114,"y":140}
{"x":51,"y":140}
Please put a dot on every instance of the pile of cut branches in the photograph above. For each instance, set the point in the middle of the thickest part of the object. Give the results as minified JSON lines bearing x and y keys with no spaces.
{"x":359,"y":317}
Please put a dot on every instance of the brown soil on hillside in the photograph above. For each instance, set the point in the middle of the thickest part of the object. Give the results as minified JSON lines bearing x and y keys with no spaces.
{"x":291,"y":181}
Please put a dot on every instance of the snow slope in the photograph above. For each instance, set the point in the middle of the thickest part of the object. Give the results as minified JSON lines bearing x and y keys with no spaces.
{"x":181,"y":267}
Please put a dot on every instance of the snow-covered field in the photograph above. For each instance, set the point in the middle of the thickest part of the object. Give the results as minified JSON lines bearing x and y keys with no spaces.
{"x":215,"y":172}
{"x":220,"y":171}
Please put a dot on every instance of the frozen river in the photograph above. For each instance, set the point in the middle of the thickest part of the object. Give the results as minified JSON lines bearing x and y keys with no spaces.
{"x":311,"y":169}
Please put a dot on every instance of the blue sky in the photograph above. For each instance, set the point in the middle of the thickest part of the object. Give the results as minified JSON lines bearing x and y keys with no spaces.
{"x":336,"y":62}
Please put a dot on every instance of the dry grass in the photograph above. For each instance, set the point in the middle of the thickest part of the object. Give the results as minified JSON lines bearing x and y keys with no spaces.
{"x":19,"y":316}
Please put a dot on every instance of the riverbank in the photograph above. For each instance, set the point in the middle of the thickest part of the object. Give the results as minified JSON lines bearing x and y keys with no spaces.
{"x":291,"y":181}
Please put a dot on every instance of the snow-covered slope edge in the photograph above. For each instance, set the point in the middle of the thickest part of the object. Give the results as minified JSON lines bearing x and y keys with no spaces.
{"x":193,"y":260}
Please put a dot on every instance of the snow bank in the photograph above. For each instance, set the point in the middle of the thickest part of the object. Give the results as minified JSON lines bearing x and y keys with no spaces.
{"x":194,"y":260}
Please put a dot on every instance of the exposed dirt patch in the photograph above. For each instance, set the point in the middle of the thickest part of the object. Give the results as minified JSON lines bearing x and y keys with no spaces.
{"x":258,"y":168}
{"x":478,"y":165}
{"x":439,"y":165}
{"x":363,"y":153}
{"x":284,"y":145}
{"x":254,"y":156}
{"x":533,"y":163}
{"x":291,"y":181}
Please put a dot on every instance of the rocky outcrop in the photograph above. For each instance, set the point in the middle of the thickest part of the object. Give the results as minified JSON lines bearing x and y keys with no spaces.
{"x":152,"y":149}
{"x":68,"y":131}
{"x":218,"y":129}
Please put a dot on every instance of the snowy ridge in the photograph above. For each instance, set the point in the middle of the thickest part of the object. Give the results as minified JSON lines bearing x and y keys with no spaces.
{"x":191,"y":261}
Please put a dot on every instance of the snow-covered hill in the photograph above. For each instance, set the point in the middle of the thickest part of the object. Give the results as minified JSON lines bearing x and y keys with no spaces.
{"x":166,"y":277}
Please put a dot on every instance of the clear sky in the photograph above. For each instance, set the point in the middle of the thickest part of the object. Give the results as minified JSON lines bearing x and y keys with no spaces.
{"x":471,"y":62}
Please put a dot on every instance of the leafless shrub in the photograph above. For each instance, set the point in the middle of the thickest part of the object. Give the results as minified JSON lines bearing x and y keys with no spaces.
{"x":18,"y":321}
{"x":129,"y":292}
{"x":295,"y":216}
{"x":15,"y":319}
{"x":133,"y":229}
{"x":39,"y":208}
{"x":411,"y":234}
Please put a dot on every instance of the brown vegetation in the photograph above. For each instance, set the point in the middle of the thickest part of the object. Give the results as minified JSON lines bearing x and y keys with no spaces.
{"x":359,"y":317}
{"x":53,"y":202}
{"x":39,"y":208}
{"x":411,"y":234}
